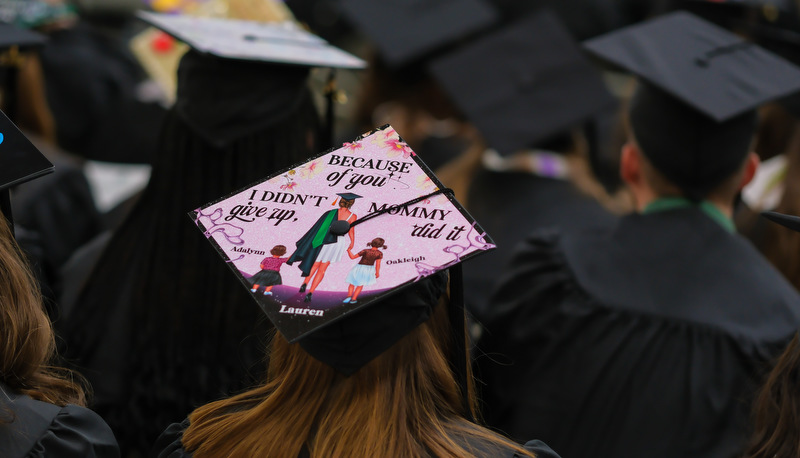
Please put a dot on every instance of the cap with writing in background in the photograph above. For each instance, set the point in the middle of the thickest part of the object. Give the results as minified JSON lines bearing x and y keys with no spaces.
{"x":524,"y":83}
{"x":693,"y":114}
{"x":405,"y":31}
{"x":381,"y":277}
{"x":243,"y":75}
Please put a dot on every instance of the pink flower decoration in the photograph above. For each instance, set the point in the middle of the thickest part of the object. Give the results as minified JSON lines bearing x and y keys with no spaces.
{"x":289,"y":186}
{"x":402,"y":147}
{"x":353,"y":146}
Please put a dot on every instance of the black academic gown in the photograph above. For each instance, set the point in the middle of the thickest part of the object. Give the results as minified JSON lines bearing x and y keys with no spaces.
{"x":306,"y":253}
{"x":511,"y":205}
{"x":169,"y":446}
{"x":645,"y":340}
{"x":39,"y":430}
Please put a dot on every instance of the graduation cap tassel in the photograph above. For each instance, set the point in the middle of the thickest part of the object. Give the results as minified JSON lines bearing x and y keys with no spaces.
{"x":460,"y":357}
{"x":330,"y":99}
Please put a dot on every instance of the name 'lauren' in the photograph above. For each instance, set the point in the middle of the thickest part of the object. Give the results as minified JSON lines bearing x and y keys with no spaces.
{"x":294,"y":311}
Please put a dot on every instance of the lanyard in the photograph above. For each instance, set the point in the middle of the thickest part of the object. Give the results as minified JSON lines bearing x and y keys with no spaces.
{"x":671,"y":203}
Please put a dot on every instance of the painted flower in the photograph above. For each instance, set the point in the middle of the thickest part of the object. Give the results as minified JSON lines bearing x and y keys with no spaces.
{"x":311,"y":169}
{"x":381,"y":138}
{"x":424,"y":183}
{"x":351,"y":147}
{"x":397,"y":147}
{"x":289,"y":186}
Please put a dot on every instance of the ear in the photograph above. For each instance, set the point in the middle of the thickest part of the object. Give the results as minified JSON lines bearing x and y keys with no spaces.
{"x":630,"y":166}
{"x":750,"y":167}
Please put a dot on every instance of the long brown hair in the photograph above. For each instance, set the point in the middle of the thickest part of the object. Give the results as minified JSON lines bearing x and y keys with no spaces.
{"x":776,"y":412}
{"x":403,"y":403}
{"x":27,"y":343}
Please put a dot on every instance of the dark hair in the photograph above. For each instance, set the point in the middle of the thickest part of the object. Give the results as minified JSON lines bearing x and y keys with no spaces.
{"x":776,"y":412}
{"x":278,"y":250}
{"x":194,"y":333}
{"x":346,"y":203}
{"x":377,"y":242}
{"x":27,"y":343}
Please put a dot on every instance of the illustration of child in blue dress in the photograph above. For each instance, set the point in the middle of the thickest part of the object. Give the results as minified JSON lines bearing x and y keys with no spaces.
{"x":270,"y":274}
{"x":367,"y":271}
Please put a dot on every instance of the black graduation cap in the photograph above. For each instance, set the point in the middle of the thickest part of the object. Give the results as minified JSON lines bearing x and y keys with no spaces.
{"x":693,"y":114}
{"x":20,"y":161}
{"x":11,"y":35}
{"x":426,"y":230}
{"x":524,"y":83}
{"x":272,"y":57}
{"x":789,"y":221}
{"x":407,"y":30}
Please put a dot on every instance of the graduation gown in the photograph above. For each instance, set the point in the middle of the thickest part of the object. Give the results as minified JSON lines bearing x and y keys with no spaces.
{"x":527,"y":202}
{"x":306,"y":252}
{"x":647,"y":339}
{"x":39,"y":429}
{"x":169,"y":446}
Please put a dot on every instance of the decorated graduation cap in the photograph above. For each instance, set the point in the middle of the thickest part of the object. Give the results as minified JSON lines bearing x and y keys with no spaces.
{"x":20,"y":162}
{"x":265,"y":65}
{"x":347,"y":295}
{"x":693,"y":114}
{"x":405,"y":31}
{"x":524,"y":83}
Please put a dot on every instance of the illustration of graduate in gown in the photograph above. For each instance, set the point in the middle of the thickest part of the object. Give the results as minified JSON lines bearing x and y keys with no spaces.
{"x":327,"y":240}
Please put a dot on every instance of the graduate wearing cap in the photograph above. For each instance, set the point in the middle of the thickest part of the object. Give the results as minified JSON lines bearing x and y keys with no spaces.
{"x":648,"y":338}
{"x":398,"y":88}
{"x":42,"y":406}
{"x":384,"y":372}
{"x":326,"y":242}
{"x":529,"y":92}
{"x":148,"y":312}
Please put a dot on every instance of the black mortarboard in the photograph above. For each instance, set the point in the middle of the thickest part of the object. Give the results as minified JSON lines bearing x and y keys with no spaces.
{"x":20,"y":161}
{"x":789,"y":221}
{"x":265,"y":66}
{"x":425,"y":230}
{"x":407,"y":30}
{"x":348,"y":195}
{"x":11,"y":35}
{"x":693,"y":114}
{"x":524,"y":83}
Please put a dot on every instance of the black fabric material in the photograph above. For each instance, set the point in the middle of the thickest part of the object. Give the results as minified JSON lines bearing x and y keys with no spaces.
{"x":523,"y":83}
{"x":529,"y":203}
{"x":41,"y":430}
{"x":690,"y":149}
{"x":405,"y":31}
{"x":11,"y":35}
{"x":169,"y":446}
{"x":255,"y":95}
{"x":713,"y":70}
{"x":350,"y":343}
{"x":647,"y":339}
{"x":91,"y":81}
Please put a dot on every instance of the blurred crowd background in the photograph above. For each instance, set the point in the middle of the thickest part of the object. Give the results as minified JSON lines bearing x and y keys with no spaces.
{"x":95,"y":96}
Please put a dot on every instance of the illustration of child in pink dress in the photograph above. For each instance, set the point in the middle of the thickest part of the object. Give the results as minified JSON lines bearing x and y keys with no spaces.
{"x":367,"y":271}
{"x":270,"y":274}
